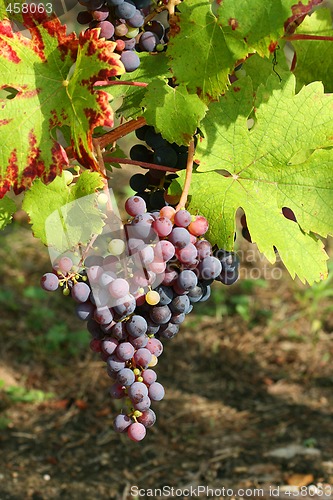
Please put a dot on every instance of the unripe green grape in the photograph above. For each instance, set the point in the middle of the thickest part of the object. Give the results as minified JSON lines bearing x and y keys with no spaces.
{"x":102,"y":199}
{"x":132,"y":32}
{"x":68,"y":176}
{"x":116,"y":247}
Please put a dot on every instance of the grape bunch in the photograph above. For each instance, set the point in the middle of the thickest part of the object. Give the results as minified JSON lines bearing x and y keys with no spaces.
{"x":161,"y":151}
{"x":123,"y":22}
{"x":136,"y":296}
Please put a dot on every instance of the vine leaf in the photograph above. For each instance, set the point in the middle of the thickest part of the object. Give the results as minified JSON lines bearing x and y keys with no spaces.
{"x":212,"y":44}
{"x":173,"y":111}
{"x":63,"y":216}
{"x":53,"y":75}
{"x":266,"y":24}
{"x":7,"y":209}
{"x":151,"y":66}
{"x":313,"y":55}
{"x":199,"y":39}
{"x":284,"y":160}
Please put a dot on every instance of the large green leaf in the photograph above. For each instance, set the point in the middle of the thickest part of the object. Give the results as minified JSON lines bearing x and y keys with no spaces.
{"x":280,"y":162}
{"x":201,"y":54}
{"x":63,"y":216}
{"x":212,"y":44}
{"x":54,"y":75}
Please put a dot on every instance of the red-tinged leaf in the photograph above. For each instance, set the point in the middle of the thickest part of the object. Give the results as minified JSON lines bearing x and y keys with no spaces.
{"x":53,"y":76}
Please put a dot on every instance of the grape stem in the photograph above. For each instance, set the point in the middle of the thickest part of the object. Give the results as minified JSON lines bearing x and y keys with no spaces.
{"x":107,"y":83}
{"x":127,"y":161}
{"x":171,"y":5}
{"x":113,"y":135}
{"x":119,"y":132}
{"x":188,"y":177}
{"x":308,"y":37}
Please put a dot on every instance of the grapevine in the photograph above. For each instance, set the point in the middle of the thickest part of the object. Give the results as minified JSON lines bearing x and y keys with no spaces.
{"x":226,"y":125}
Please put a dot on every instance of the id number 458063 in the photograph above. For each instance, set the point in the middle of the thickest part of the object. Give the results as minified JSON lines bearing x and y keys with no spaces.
{"x":24,"y":8}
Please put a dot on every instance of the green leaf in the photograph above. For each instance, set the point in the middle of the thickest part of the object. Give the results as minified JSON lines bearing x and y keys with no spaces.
{"x":268,"y":21}
{"x":173,"y":111}
{"x":212,"y":44}
{"x":151,"y":66}
{"x":260,"y":171}
{"x":259,"y":68}
{"x":63,"y":216}
{"x":54,"y":75}
{"x":314,"y":57}
{"x":201,"y":53}
{"x":7,"y":209}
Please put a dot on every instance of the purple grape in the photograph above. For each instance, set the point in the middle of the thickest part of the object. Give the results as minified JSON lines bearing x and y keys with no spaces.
{"x":109,"y":345}
{"x":100,"y":14}
{"x":160,"y":314}
{"x":210,"y":267}
{"x":135,"y":206}
{"x":204,"y":249}
{"x":85,"y":310}
{"x":143,"y":357}
{"x":188,"y":254}
{"x":144,"y":405}
{"x":126,"y":308}
{"x":149,"y":376}
{"x":187,"y":279}
{"x":115,"y":363}
{"x":177,"y":318}
{"x":125,"y":377}
{"x":125,"y":10}
{"x":155,"y":347}
{"x":180,"y":304}
{"x":156,"y":391}
{"x":136,"y":431}
{"x":148,"y":41}
{"x":103,"y":315}
{"x":148,"y":418}
{"x":168,"y":331}
{"x":107,"y":29}
{"x":80,"y":292}
{"x":137,"y":392}
{"x":84,"y":17}
{"x":139,"y":342}
{"x":121,"y":423}
{"x":118,"y":331}
{"x":183,"y":218}
{"x":49,"y":282}
{"x":179,"y":237}
{"x":125,"y":351}
{"x":136,"y":326}
{"x":166,"y":156}
{"x":137,"y":20}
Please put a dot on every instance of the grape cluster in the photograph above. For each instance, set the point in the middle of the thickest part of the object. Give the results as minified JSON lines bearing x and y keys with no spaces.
{"x":161,"y":151}
{"x":138,"y":294}
{"x":123,"y":21}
